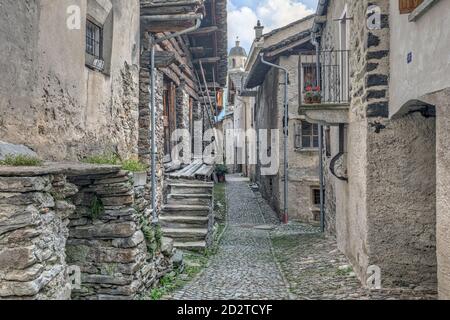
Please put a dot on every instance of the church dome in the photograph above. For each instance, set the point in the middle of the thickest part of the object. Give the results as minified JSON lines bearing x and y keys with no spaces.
{"x":238,"y":51}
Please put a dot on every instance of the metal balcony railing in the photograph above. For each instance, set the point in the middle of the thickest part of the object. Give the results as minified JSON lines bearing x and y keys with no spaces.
{"x":334,"y":76}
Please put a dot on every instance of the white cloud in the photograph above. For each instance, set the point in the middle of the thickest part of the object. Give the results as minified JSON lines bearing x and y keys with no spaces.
{"x":272,"y":13}
{"x":240,"y":24}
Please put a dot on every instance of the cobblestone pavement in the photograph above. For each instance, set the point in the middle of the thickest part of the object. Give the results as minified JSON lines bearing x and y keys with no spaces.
{"x":316,"y":270}
{"x":260,"y":259}
{"x":244,"y":267}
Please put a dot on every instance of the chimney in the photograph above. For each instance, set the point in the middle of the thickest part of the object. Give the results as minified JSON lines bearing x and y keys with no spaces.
{"x":259,"y":30}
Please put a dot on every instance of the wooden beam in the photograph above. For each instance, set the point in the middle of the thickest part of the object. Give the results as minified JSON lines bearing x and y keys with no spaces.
{"x":288,"y":47}
{"x":164,"y":26}
{"x":197,"y":50}
{"x":207,"y":60}
{"x":163,"y":59}
{"x":204,"y":31}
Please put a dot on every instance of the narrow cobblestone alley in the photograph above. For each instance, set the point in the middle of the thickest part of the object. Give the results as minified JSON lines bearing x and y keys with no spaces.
{"x":244,"y":267}
{"x":260,"y":259}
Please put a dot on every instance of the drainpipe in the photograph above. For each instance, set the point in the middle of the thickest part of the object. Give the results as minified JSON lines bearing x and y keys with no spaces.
{"x":286,"y":135}
{"x":154,"y":150}
{"x":321,"y":173}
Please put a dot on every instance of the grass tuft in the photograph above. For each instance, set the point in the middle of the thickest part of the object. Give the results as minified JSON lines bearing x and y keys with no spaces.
{"x":21,"y":161}
{"x":103,"y":159}
{"x":113,"y":159}
{"x":134,"y":166}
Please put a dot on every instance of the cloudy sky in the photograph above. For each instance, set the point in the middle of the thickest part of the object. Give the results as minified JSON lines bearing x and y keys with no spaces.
{"x":243,"y":15}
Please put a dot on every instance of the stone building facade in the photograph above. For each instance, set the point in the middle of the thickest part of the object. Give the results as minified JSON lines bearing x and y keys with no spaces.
{"x":380,"y":158}
{"x":238,"y":116}
{"x":75,"y":83}
{"x":284,"y":47}
{"x":52,"y":98}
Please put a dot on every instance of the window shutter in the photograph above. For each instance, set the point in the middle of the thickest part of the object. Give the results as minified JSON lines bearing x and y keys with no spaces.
{"x":408,"y":6}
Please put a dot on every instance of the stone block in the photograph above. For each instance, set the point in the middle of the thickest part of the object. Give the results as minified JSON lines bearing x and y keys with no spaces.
{"x":113,"y":255}
{"x":17,"y":258}
{"x":118,"y":201}
{"x":15,"y":150}
{"x":24,"y":184}
{"x":104,"y":231}
{"x":17,"y":217}
{"x":30,"y":288}
{"x":131,"y":242}
{"x":104,"y":279}
{"x":167,"y":246}
{"x":39,"y":199}
{"x":26,"y":275}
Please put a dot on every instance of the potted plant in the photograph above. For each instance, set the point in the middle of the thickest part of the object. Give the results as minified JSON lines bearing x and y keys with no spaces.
{"x":309,"y":94}
{"x":317,"y":95}
{"x":221,"y":171}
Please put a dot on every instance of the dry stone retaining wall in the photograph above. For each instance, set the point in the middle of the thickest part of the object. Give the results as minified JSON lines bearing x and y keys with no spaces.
{"x":96,"y":220}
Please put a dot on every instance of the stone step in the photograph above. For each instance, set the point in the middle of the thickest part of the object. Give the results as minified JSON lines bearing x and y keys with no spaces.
{"x":180,"y":222}
{"x":194,"y":245}
{"x":191,"y":188}
{"x":190,"y":199}
{"x":186,"y":210}
{"x":186,"y":234}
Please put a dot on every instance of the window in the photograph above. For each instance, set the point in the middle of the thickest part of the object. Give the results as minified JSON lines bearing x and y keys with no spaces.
{"x":316,"y":197}
{"x":408,"y":6}
{"x":309,"y":75}
{"x":328,"y":142}
{"x":94,"y":40}
{"x":306,"y":135}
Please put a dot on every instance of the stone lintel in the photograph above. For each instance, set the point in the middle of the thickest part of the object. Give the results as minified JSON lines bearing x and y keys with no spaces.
{"x":326,"y":114}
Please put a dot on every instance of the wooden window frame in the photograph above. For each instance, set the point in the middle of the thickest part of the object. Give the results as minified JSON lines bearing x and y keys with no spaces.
{"x":299,"y":136}
{"x":408,"y":6}
{"x":315,"y":192}
{"x":97,"y":44}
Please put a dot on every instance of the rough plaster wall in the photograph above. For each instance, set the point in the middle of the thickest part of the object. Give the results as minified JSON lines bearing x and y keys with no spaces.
{"x":303,"y":166}
{"x":441,"y":101}
{"x":303,"y":173}
{"x":431,"y":30}
{"x":401,"y":201}
{"x":64,"y":110}
{"x":269,"y":117}
{"x":334,"y":190}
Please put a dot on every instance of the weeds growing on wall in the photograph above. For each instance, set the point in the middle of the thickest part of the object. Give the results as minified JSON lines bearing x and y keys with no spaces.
{"x":21,"y":161}
{"x":113,"y":159}
{"x":153,"y":236}
{"x":97,"y":208}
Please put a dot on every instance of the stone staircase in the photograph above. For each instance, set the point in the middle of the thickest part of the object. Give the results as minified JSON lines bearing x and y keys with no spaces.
{"x":187,"y":217}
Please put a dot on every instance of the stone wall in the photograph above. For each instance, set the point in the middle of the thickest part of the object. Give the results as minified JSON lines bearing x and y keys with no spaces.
{"x":49,"y":100}
{"x":182,"y":108}
{"x":385,"y":214}
{"x":441,"y":101}
{"x":268,"y":117}
{"x":94,"y":218}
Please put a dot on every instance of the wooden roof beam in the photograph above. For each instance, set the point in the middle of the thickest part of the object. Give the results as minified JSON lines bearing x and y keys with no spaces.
{"x":207,"y":60}
{"x":204,"y":31}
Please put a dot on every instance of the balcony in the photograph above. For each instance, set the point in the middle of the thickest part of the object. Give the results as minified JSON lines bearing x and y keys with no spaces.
{"x":329,"y":103}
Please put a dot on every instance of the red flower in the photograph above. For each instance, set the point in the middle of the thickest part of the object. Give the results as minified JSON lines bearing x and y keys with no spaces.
{"x":317,"y":89}
{"x":309,"y":88}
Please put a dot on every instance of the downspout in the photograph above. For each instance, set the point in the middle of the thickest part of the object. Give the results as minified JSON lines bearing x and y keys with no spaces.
{"x":154,"y":150}
{"x":286,"y":135}
{"x":321,"y":172}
